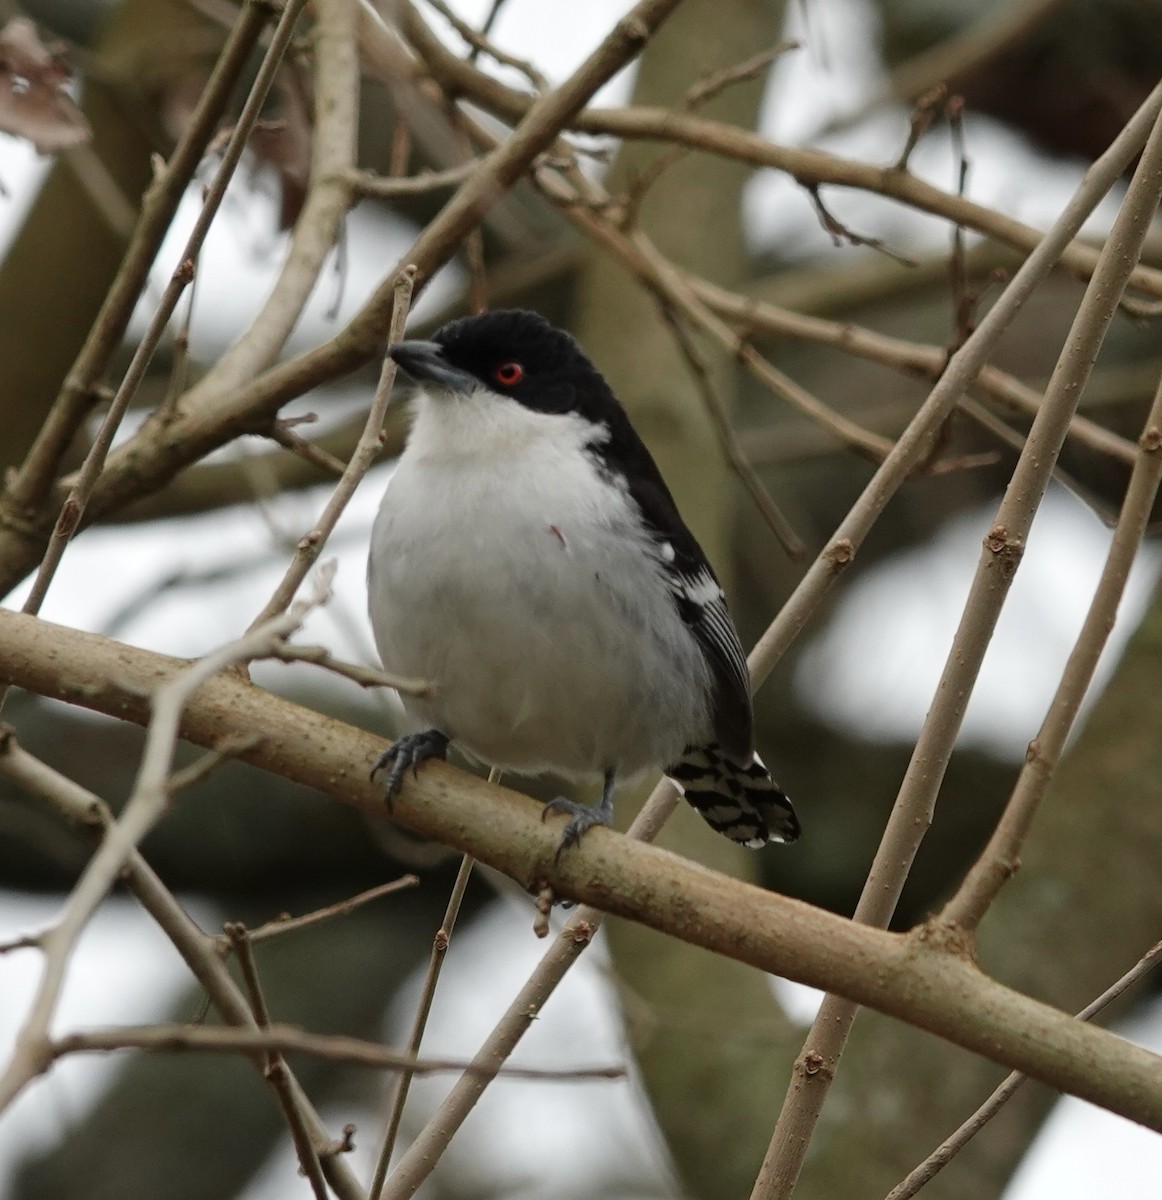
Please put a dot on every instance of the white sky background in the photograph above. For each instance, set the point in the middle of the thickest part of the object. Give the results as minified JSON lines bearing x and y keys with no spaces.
{"x":874,"y":669}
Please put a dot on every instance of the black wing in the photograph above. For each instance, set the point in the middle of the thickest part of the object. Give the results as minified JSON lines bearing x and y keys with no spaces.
{"x":702,"y":606}
{"x":697,"y":594}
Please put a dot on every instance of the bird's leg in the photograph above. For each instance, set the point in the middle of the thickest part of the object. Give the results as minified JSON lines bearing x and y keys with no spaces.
{"x":409,"y":751}
{"x":582,"y":816}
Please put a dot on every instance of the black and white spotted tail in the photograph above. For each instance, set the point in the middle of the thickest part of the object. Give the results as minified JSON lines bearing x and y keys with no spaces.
{"x":744,"y":803}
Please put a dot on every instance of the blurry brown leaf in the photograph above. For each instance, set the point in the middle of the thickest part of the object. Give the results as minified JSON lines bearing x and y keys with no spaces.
{"x":33,"y":102}
{"x":178,"y":99}
{"x":285,"y":145}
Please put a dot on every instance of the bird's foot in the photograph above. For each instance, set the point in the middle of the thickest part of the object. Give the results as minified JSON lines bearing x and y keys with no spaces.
{"x":409,"y":751}
{"x":581,"y":818}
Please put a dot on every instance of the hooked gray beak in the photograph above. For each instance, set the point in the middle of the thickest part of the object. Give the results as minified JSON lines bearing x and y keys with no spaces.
{"x":425,"y":363}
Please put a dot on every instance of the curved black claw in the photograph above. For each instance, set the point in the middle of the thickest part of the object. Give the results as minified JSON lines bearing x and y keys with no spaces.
{"x":409,"y":751}
{"x":582,"y":817}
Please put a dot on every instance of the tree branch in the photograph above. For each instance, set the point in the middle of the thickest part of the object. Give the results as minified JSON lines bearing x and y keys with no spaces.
{"x":917,"y":977}
{"x":810,"y":168}
{"x":999,"y":859}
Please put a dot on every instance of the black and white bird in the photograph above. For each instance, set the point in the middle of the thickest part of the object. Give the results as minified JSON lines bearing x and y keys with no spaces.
{"x":530,"y":562}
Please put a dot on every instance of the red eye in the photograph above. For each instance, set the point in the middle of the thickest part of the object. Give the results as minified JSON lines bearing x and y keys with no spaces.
{"x":508,"y":374}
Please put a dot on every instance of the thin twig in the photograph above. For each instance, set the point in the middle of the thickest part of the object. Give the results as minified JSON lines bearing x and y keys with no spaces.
{"x":344,"y":908}
{"x":287,"y":438}
{"x":201,"y":768}
{"x":288,"y":1039}
{"x":366,"y":449}
{"x":423,"y":1011}
{"x":481,"y":45}
{"x":924,"y":113}
{"x":987,"y":420}
{"x":842,"y":234}
{"x":367,"y":677}
{"x":699,"y":94}
{"x":180,"y":367}
{"x":955,"y":1142}
{"x":473,"y":248}
{"x":397,"y":187}
{"x":715,"y":84}
{"x":964,"y":301}
{"x":275,"y":1070}
{"x":728,"y":439}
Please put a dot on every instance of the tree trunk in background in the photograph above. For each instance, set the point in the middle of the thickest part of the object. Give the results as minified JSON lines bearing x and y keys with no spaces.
{"x":702,"y":1028}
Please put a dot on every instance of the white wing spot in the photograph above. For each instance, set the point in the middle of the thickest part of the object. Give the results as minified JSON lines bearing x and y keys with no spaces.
{"x":668,"y":553}
{"x":702,"y":590}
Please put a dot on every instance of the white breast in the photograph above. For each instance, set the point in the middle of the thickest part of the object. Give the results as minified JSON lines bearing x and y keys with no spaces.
{"x":506,"y":572}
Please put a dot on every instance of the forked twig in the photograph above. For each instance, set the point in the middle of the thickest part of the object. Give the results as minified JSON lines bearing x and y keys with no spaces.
{"x":150,"y":797}
{"x":197,"y":949}
{"x":1004,"y":545}
{"x":343,"y":908}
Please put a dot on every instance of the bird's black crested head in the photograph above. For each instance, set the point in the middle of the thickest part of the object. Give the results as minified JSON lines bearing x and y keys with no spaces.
{"x":514,"y":353}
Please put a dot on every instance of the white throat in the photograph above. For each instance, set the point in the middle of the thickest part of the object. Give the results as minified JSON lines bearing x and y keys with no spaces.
{"x":483,"y":425}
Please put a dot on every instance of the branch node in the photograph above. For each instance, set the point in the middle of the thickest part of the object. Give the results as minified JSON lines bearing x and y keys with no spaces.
{"x":812,"y":1062}
{"x":841,"y":552}
{"x":1007,"y":550}
{"x":342,"y":1145}
{"x":942,"y":936}
{"x":580,"y":932}
{"x":545,"y":899}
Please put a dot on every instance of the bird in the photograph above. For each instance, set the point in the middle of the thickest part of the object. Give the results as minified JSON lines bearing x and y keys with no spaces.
{"x":530,"y":563}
